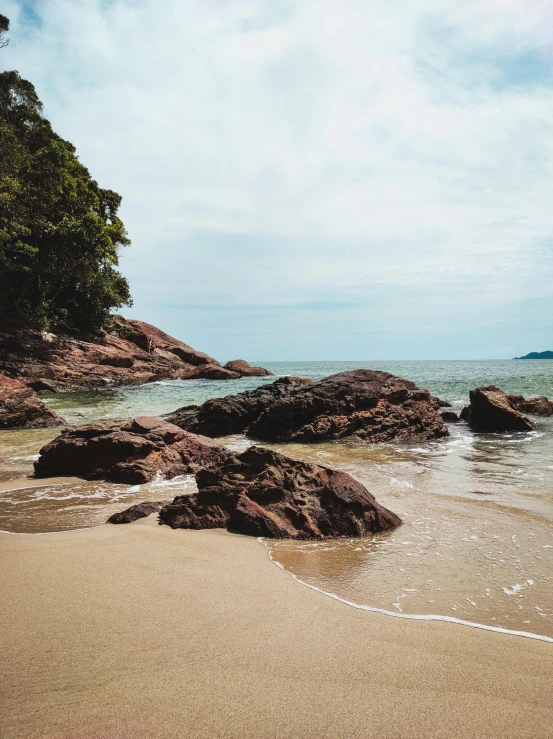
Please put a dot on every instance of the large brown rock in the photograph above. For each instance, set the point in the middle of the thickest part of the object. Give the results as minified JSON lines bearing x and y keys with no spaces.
{"x":490,"y":410}
{"x":117,"y":356}
{"x":20,"y":407}
{"x":263,"y":493}
{"x":234,"y":413}
{"x":245,"y":369}
{"x":367,"y":405}
{"x":132,"y":451}
{"x":540,"y":406}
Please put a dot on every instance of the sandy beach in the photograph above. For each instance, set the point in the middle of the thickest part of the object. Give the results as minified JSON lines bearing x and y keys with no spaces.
{"x":141,"y":631}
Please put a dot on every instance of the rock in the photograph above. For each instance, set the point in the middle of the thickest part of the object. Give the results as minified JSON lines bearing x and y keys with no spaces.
{"x":211,"y":372}
{"x":263,"y":493}
{"x":245,"y":369}
{"x":118,"y":356}
{"x":21,"y":408}
{"x":234,"y":413}
{"x":140,"y":510}
{"x":441,"y":403}
{"x":367,"y":405}
{"x":465,"y":414}
{"x":449,"y":416}
{"x":540,"y":406}
{"x":490,"y":410}
{"x":132,"y":451}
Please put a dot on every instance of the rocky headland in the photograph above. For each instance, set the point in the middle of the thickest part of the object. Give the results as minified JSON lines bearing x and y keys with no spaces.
{"x":117,"y":356}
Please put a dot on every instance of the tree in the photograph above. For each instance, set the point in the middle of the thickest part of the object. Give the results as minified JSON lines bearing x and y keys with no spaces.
{"x":60,"y":234}
{"x":4,"y":28}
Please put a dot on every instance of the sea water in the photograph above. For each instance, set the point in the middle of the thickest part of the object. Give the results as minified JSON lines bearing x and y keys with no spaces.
{"x":477,"y":539}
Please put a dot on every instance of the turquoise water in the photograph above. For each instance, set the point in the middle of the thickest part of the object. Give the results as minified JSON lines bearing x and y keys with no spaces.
{"x":477,"y":539}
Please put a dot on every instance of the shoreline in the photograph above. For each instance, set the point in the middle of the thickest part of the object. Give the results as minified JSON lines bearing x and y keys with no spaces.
{"x":143,"y":631}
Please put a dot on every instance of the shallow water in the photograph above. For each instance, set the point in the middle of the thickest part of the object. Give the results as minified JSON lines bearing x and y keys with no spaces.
{"x":477,"y":539}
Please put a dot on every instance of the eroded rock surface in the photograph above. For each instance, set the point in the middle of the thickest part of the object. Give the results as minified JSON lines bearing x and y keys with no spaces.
{"x":540,"y":406}
{"x":132,"y":451}
{"x":368,"y":405}
{"x":490,"y":410}
{"x":234,"y":413}
{"x":120,"y":356}
{"x":20,"y":407}
{"x":263,"y":493}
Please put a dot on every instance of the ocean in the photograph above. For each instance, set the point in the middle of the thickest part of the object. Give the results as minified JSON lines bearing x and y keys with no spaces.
{"x":477,"y":539}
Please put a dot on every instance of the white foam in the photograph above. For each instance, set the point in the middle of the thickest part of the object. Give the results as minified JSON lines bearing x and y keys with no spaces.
{"x":410,"y":616}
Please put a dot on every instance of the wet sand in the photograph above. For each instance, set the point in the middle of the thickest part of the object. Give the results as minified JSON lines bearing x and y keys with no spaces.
{"x":141,"y":631}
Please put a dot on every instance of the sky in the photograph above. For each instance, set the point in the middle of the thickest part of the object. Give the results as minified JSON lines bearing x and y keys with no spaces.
{"x":316,"y":180}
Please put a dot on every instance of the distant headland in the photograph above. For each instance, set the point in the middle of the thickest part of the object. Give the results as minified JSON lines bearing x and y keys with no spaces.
{"x":537,"y":355}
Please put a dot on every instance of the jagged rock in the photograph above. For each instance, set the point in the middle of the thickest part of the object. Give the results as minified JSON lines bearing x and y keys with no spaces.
{"x":363,"y":404}
{"x":234,"y":413}
{"x":140,"y":510}
{"x":132,"y":451}
{"x":20,"y":407}
{"x":263,"y":493}
{"x":245,"y":369}
{"x":540,"y":406}
{"x":449,"y":416}
{"x":490,"y":410}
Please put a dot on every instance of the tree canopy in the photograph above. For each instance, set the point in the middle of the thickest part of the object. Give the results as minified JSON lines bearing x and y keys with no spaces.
{"x":59,"y":231}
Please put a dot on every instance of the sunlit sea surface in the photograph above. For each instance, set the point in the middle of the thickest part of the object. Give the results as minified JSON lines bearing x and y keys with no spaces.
{"x":477,"y":539}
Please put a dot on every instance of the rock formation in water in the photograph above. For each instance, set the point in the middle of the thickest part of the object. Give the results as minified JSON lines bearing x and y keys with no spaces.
{"x":449,"y":416}
{"x":132,"y":451}
{"x":366,"y":405}
{"x":140,"y":510}
{"x":119,"y":356}
{"x":263,"y":493}
{"x":21,"y":408}
{"x":245,"y":369}
{"x":234,"y":413}
{"x":490,"y":410}
{"x":540,"y":406}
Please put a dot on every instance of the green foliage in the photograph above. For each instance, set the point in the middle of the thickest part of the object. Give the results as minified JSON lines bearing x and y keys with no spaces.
{"x":59,"y":231}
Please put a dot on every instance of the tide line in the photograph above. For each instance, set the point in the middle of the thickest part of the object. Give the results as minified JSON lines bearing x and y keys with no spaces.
{"x":410,"y":616}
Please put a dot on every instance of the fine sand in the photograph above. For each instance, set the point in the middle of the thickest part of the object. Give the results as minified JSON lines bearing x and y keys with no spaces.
{"x":141,"y":631}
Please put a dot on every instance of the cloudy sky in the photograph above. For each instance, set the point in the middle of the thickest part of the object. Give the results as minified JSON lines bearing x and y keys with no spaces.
{"x":328,"y":179}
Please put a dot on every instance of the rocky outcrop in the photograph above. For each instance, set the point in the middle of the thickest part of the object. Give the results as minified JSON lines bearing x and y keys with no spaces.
{"x":263,"y":493}
{"x":132,"y":451}
{"x":367,"y":405}
{"x":540,"y":406}
{"x":140,"y":510}
{"x":490,"y":410}
{"x":245,"y":369}
{"x":117,"y":356}
{"x":234,"y":413}
{"x":21,"y":408}
{"x":449,"y":416}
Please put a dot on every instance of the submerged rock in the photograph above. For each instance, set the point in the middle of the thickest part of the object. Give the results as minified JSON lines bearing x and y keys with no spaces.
{"x":234,"y":413}
{"x":367,"y":405}
{"x":490,"y":410}
{"x":21,"y":408}
{"x":540,"y":406}
{"x":132,"y":451}
{"x":140,"y":510}
{"x":245,"y":369}
{"x":263,"y":493}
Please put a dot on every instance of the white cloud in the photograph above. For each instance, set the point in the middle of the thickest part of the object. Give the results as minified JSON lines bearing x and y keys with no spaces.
{"x":362,"y":145}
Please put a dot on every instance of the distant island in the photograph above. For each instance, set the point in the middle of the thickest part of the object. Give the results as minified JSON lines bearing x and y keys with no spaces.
{"x":537,"y":355}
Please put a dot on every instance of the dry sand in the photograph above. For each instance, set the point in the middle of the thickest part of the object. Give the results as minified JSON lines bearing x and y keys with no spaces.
{"x":141,"y":631}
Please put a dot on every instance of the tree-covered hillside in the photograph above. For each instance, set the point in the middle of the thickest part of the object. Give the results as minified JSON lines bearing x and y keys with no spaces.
{"x":59,"y":230}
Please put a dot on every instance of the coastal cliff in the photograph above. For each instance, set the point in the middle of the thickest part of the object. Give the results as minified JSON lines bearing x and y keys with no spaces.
{"x":118,"y":355}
